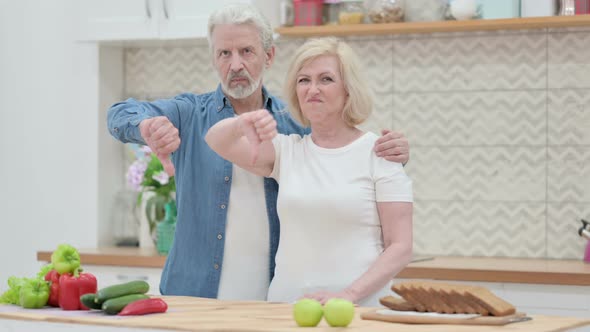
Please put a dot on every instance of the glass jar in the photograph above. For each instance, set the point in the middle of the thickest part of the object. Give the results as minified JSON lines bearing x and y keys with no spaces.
{"x":387,"y":11}
{"x":286,"y":16}
{"x":351,"y":12}
{"x":425,"y":10}
{"x":307,"y":12}
{"x":331,"y":12}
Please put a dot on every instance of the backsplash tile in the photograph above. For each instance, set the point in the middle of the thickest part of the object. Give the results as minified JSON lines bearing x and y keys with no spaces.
{"x":497,"y":122}
{"x":506,"y":174}
{"x":474,"y":228}
{"x":511,"y":118}
{"x":375,"y":54}
{"x":562,"y":230}
{"x":568,"y":178}
{"x":159,"y":71}
{"x":276,"y":74}
{"x":506,"y":62}
{"x":569,"y":60}
{"x":569,"y":117}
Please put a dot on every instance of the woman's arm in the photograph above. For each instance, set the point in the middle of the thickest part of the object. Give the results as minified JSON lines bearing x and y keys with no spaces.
{"x":396,"y":223}
{"x":246,"y":141}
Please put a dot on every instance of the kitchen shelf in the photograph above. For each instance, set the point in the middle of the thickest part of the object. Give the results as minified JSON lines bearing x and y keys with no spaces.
{"x":439,"y":26}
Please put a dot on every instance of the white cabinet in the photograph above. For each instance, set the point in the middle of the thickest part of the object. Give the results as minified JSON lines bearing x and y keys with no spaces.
{"x":116,"y":20}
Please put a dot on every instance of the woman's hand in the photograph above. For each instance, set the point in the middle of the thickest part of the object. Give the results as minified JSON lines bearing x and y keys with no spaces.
{"x":257,"y":126}
{"x":324,"y":296}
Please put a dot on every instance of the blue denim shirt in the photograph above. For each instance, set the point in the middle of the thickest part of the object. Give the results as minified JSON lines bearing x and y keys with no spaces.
{"x":203,"y":182}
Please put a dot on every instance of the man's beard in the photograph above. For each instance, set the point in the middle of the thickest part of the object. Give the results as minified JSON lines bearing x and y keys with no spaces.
{"x":241,"y":91}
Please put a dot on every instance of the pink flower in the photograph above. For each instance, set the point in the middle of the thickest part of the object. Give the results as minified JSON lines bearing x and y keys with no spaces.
{"x":135,"y":174}
{"x":162,"y":177}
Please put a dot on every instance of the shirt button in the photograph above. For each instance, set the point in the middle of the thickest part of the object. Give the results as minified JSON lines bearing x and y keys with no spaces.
{"x":226,"y":178}
{"x":222,"y":206}
{"x":219,"y":108}
{"x":219,"y":237}
{"x":116,"y":129}
{"x":216,"y":266}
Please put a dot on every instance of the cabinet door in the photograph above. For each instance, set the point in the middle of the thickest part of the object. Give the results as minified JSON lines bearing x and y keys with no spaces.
{"x":188,"y":18}
{"x":118,"y":20}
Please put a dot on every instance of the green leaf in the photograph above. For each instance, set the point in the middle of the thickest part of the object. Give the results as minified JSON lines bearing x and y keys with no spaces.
{"x":11,"y":296}
{"x":44,"y":270}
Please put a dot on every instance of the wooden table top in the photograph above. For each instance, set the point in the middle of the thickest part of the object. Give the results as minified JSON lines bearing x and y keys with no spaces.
{"x":199,"y":314}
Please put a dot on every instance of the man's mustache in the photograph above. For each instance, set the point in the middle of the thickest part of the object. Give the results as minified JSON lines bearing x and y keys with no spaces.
{"x":231,"y":75}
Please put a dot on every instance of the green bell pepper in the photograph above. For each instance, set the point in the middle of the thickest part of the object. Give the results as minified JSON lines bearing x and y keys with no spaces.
{"x":34,"y":293}
{"x":65,"y":259}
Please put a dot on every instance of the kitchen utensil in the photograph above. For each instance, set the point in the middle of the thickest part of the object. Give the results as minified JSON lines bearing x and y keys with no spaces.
{"x":584,"y":232}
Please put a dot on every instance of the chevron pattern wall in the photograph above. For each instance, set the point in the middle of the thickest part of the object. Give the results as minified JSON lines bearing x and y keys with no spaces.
{"x":498,"y":123}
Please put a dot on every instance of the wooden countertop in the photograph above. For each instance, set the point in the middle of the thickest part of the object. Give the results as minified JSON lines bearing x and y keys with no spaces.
{"x":199,"y":314}
{"x":487,"y":269}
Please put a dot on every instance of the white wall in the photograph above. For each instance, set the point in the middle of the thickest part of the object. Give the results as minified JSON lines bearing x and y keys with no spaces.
{"x":48,"y":134}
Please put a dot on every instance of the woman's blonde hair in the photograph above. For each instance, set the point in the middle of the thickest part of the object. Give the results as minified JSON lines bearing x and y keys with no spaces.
{"x":359,"y":104}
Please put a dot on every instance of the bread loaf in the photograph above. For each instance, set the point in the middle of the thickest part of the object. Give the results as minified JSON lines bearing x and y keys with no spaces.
{"x":396,"y":303}
{"x":447,"y":298}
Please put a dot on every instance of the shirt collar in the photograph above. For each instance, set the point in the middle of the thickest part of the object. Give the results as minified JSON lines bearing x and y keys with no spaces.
{"x":222,"y":101}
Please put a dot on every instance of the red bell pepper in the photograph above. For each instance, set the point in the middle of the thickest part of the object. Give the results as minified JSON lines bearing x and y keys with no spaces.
{"x":143,"y":307}
{"x":72,"y":286}
{"x":53,"y":277}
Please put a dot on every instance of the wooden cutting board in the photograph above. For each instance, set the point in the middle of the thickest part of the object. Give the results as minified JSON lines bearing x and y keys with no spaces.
{"x":392,"y":316}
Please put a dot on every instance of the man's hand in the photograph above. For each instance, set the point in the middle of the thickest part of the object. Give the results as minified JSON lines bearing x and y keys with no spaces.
{"x":162,"y":137}
{"x":393,"y":146}
{"x":257,"y":126}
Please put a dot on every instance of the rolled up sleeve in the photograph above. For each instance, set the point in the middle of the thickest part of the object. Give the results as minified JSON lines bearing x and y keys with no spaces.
{"x":123,"y":120}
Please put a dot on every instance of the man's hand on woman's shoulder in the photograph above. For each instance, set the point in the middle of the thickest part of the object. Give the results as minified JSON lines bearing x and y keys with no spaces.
{"x":393,"y":146}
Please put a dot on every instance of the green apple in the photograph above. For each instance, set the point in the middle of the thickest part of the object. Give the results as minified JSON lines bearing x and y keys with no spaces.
{"x":338,"y":312}
{"x":307,"y":312}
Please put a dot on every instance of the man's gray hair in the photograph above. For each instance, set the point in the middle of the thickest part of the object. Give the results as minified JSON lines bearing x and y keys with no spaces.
{"x":241,"y":14}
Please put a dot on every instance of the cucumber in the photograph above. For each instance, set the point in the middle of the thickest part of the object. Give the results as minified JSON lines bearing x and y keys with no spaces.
{"x":131,"y":287}
{"x":114,"y":305}
{"x":90,"y":301}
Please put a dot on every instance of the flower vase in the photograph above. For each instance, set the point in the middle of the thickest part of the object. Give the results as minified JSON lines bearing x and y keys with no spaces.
{"x":154,"y":212}
{"x":165,"y":229}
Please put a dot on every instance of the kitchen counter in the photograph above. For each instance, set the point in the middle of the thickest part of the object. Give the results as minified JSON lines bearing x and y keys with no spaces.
{"x":486,"y":269}
{"x":200,"y":314}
